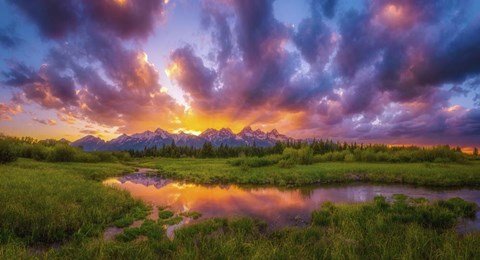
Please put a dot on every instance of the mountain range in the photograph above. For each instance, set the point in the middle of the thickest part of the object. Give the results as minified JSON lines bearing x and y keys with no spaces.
{"x":160,"y":137}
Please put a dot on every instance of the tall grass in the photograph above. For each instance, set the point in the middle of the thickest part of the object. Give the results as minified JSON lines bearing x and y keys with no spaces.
{"x":44,"y":203}
{"x":382,"y":229}
{"x":59,"y":211}
{"x":224,"y":171}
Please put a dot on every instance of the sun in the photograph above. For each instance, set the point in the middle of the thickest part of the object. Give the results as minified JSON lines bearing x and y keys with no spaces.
{"x":120,"y":2}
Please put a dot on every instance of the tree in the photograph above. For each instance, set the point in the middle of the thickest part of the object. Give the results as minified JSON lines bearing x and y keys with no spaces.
{"x":475,"y":151}
{"x":207,"y":150}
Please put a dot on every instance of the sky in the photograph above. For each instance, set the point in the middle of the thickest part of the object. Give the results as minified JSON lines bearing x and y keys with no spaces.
{"x":383,"y":71}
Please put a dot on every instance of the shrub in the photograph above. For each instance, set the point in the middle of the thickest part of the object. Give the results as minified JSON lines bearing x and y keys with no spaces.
{"x":7,"y":153}
{"x":349,"y":157}
{"x":122,"y":156}
{"x":62,"y":153}
{"x":286,"y":163}
{"x":247,"y":162}
{"x":382,"y":157}
{"x":290,"y":154}
{"x":305,"y":155}
{"x":368,"y":156}
{"x":39,"y":152}
{"x":86,"y":157}
{"x":105,"y":156}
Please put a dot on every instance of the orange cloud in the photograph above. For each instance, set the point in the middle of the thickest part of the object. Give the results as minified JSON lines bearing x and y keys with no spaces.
{"x":9,"y":110}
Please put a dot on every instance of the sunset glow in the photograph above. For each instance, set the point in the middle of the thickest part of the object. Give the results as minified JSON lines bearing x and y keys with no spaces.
{"x":120,"y":2}
{"x":393,"y":12}
{"x":368,"y":71}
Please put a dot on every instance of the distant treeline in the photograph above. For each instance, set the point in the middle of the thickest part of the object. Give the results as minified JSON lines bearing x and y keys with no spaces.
{"x":51,"y":150}
{"x":318,"y":150}
{"x":283,"y":153}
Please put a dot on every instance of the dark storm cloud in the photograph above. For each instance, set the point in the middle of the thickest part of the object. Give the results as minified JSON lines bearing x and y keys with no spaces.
{"x":195,"y":78}
{"x":45,"y":86}
{"x":359,"y":98}
{"x":452,"y":62}
{"x":328,"y":7}
{"x":358,"y":44}
{"x":380,"y":71}
{"x":299,"y":94}
{"x":127,"y":19}
{"x":375,"y":65}
{"x":257,"y":54}
{"x":469,"y":124}
{"x":95,"y":77}
{"x":314,"y":39}
{"x":259,"y":34}
{"x":217,"y":18}
{"x":128,"y":95}
{"x":54,"y":18}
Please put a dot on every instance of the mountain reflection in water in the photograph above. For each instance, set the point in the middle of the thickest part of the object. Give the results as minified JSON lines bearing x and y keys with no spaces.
{"x":278,"y":206}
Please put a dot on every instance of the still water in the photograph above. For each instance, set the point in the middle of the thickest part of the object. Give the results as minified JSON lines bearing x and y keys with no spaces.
{"x":278,"y":206}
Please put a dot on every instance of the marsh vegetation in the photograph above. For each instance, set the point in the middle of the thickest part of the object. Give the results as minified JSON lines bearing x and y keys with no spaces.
{"x":54,"y":206}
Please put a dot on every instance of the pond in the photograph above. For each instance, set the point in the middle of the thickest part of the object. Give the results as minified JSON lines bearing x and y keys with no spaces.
{"x":276,"y":205}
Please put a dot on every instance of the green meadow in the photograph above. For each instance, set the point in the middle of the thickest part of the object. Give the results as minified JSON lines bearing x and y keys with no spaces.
{"x":60,"y":210}
{"x":251,"y":171}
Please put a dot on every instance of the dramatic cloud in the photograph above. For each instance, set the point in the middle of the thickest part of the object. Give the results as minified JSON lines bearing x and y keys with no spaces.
{"x":125,"y":18}
{"x":9,"y":110}
{"x":98,"y":78}
{"x":328,"y":6}
{"x":192,"y":75}
{"x":313,"y":38}
{"x":379,"y":56}
{"x":53,"y":18}
{"x":374,"y":70}
{"x":44,"y":86}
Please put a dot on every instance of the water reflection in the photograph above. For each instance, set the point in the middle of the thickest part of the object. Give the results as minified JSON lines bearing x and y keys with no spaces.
{"x":277,"y":206}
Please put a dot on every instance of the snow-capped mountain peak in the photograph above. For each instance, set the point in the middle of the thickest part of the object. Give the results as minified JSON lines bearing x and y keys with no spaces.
{"x":246,"y":131}
{"x":209,"y":134}
{"x":161,"y":137}
{"x":275,"y":135}
{"x":88,"y":143}
{"x":162,"y":133}
{"x":89,"y":138}
{"x":146,"y":134}
{"x":226,"y":132}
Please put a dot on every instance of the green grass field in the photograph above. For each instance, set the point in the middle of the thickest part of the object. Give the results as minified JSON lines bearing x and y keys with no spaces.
{"x":60,"y":211}
{"x":46,"y":203}
{"x":220,"y":171}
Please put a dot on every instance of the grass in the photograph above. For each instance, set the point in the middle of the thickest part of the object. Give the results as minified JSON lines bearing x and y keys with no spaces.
{"x":209,"y":171}
{"x":45,"y":203}
{"x":165,"y":214}
{"x":191,"y":214}
{"x":382,"y":229}
{"x":149,"y":229}
{"x":60,"y":210}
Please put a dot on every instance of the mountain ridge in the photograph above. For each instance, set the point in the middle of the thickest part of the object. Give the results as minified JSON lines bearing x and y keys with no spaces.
{"x":138,"y":141}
